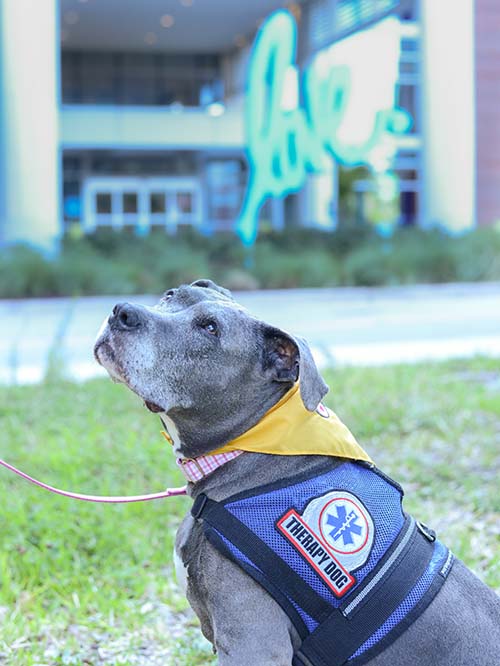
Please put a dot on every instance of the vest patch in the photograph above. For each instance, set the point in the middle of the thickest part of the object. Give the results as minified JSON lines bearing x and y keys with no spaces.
{"x":334,"y":535}
{"x":315,"y":552}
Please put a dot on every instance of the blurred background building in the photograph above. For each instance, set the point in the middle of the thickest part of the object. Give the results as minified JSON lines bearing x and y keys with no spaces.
{"x":126,"y":113}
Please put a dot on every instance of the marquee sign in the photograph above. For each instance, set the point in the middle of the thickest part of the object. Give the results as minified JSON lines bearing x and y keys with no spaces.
{"x":344,"y":109}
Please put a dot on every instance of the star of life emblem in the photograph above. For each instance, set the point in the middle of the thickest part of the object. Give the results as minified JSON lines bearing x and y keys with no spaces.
{"x":344,"y":524}
{"x":334,"y":535}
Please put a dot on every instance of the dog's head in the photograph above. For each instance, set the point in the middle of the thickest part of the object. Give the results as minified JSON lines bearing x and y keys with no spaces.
{"x":205,"y":362}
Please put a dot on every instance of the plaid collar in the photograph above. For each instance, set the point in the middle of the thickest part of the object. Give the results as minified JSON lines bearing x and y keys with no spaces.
{"x":196,"y":469}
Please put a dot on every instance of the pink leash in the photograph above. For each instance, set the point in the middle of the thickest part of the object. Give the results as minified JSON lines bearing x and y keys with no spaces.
{"x":169,"y":492}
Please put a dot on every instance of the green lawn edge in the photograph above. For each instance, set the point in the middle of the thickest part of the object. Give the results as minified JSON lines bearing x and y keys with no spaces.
{"x":83,"y":583}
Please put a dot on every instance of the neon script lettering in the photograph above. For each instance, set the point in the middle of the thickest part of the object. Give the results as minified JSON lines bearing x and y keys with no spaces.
{"x":285,"y":141}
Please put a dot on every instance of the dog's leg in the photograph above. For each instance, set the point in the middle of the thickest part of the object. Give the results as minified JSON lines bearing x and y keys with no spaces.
{"x":250,"y":629}
{"x":245,"y":625}
{"x":252,"y":632}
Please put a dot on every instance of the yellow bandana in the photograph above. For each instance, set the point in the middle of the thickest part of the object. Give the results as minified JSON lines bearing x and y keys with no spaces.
{"x":289,"y":429}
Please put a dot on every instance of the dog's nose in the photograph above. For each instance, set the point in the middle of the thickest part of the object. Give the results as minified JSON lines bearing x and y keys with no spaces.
{"x":125,"y":317}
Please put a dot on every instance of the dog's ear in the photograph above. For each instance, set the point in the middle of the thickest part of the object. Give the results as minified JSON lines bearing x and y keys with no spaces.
{"x":208,"y":284}
{"x":286,"y":359}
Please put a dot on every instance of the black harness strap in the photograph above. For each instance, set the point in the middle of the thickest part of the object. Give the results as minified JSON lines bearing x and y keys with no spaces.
{"x":337,"y":639}
{"x":379,"y":575}
{"x":404,"y":624}
{"x":263,"y":557}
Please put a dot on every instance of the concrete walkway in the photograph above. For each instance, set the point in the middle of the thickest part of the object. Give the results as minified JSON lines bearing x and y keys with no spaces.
{"x":344,"y":326}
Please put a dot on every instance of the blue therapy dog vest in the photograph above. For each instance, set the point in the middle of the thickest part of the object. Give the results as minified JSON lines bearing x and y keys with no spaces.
{"x":336,"y":551}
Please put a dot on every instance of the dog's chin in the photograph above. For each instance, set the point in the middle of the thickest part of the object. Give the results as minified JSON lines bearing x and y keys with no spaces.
{"x":105,"y":356}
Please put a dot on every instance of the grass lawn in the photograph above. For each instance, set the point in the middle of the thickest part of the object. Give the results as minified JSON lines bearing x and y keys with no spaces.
{"x":93,"y":584}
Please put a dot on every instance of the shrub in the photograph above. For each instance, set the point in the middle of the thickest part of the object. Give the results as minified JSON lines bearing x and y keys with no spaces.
{"x":277,"y":269}
{"x":420,"y":256}
{"x":79,"y":271}
{"x":477,"y":256}
{"x":367,"y":266}
{"x":119,"y":262}
{"x":24,"y":272}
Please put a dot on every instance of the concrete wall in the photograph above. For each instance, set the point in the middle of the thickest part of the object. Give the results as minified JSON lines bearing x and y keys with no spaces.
{"x":448,"y":114}
{"x":29,"y":157}
{"x":3,"y":184}
{"x":487,"y":31}
{"x":149,"y":127}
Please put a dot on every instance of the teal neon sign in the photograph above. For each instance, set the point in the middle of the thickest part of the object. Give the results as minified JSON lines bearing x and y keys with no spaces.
{"x":339,"y":118}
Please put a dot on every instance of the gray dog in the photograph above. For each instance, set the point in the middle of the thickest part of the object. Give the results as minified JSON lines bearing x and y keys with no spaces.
{"x":212,"y":371}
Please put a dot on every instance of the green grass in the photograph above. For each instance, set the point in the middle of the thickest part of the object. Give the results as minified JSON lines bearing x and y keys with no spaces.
{"x":86,"y":584}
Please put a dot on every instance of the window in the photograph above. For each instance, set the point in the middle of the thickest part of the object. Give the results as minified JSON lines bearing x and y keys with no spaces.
{"x":331,"y":19}
{"x":408,"y":101}
{"x":185,"y":203}
{"x":225,"y":188}
{"x":141,"y":202}
{"x":103,"y":203}
{"x":130,"y":202}
{"x":157,"y":203}
{"x":157,"y":79}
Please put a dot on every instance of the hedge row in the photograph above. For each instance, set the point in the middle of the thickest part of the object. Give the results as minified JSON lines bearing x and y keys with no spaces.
{"x":112,"y":262}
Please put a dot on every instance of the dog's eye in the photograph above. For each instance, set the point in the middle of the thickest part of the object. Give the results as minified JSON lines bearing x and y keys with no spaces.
{"x":168,"y":294}
{"x":210,"y":327}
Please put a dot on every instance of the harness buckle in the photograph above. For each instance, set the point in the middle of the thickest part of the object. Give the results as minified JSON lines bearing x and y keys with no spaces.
{"x":428,"y":533}
{"x":198,"y":506}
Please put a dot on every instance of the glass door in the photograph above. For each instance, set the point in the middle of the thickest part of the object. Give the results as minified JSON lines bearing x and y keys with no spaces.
{"x":141,"y":202}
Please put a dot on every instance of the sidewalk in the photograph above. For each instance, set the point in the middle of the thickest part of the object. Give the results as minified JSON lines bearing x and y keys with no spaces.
{"x":355,"y":326}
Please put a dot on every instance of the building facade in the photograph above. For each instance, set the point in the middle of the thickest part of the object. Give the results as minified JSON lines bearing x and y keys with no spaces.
{"x":117,"y":114}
